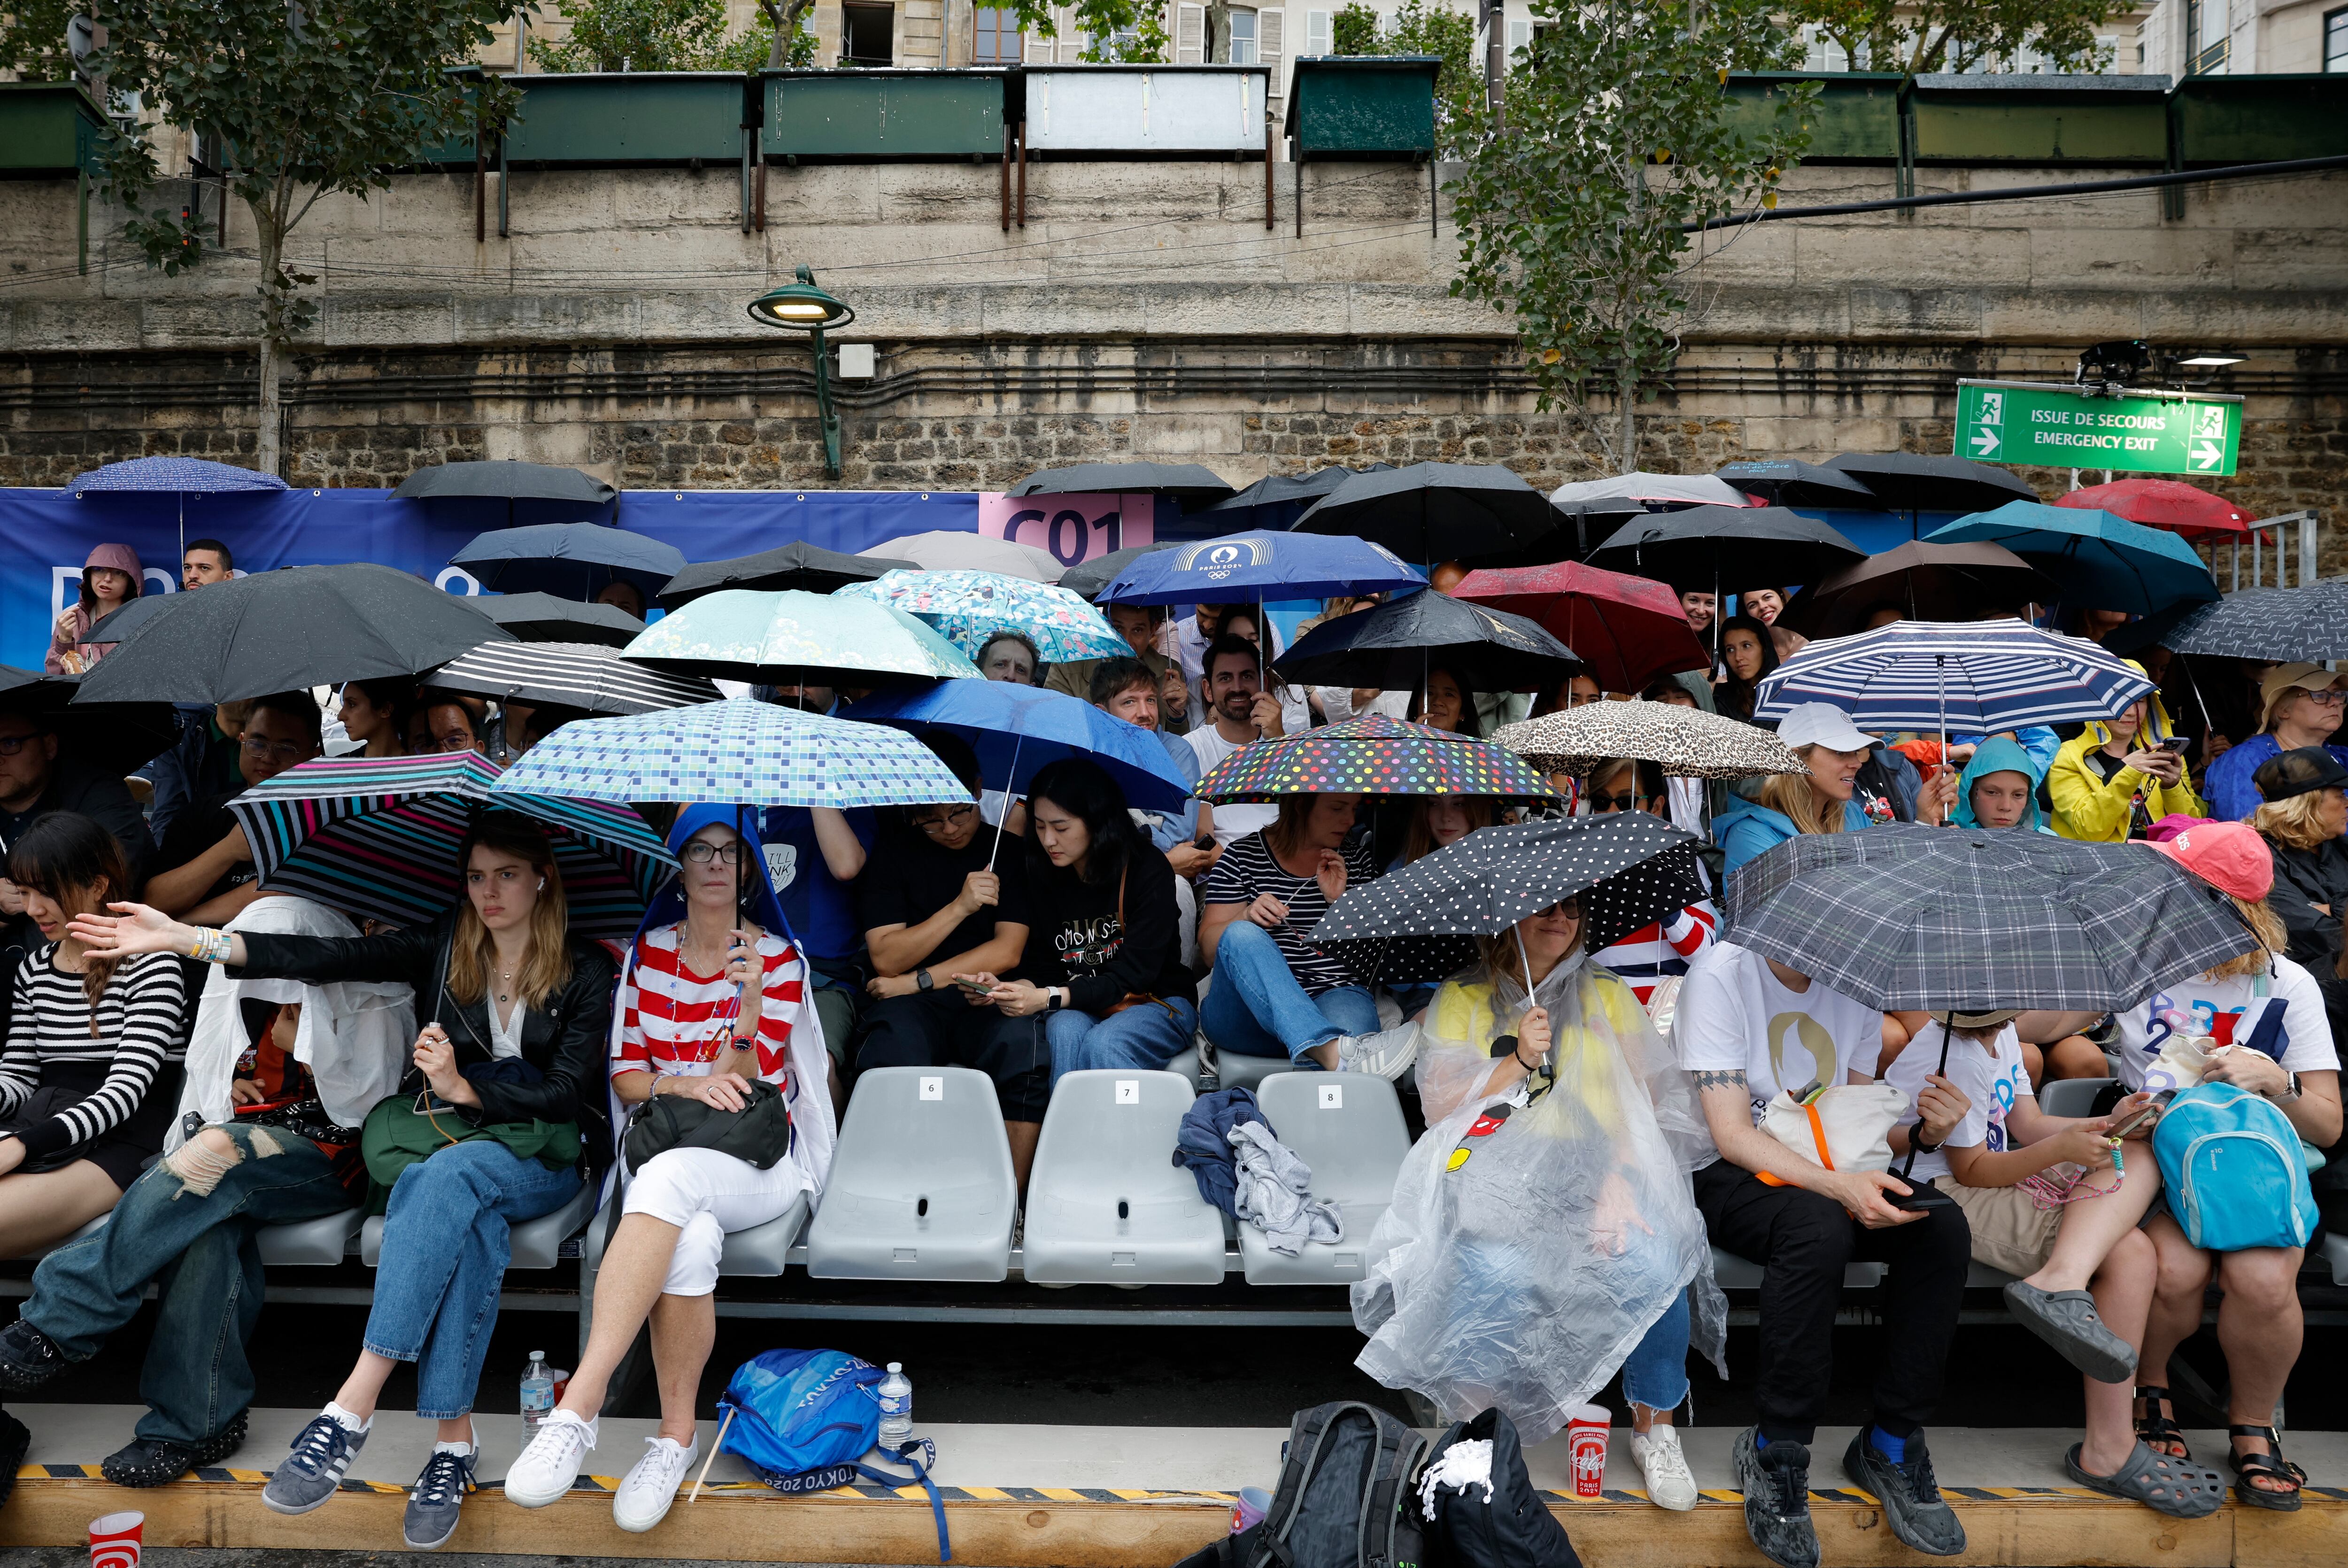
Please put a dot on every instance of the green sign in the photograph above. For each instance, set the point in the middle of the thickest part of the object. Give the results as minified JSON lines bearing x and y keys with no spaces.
{"x":2063,"y":428}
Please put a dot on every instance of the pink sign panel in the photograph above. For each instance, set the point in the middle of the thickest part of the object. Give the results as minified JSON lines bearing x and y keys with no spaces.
{"x":1074,"y":528}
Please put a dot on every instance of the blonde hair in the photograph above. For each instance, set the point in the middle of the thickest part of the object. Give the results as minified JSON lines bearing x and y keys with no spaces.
{"x":2291,"y":822}
{"x":2268,"y":926}
{"x":1795,"y":796}
{"x":1503,"y":958}
{"x":472,"y":951}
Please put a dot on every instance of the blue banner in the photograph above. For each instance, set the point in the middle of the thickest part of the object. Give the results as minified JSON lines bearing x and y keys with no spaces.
{"x":45,"y":534}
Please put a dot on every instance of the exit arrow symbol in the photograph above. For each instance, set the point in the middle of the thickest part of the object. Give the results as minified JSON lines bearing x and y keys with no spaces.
{"x":2207,"y":454}
{"x":1985,"y":444}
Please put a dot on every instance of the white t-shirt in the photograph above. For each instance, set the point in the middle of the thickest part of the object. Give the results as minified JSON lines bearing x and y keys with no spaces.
{"x":1231,"y":821}
{"x":1993,"y":1077}
{"x":1734,"y":1016}
{"x":2231,"y":1010}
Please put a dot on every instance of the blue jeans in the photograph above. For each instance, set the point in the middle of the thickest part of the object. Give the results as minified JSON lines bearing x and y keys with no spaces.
{"x":1256,"y":1007}
{"x":1144,"y":1036}
{"x":206,"y":1264}
{"x":446,"y":1244}
{"x":1656,"y":1373}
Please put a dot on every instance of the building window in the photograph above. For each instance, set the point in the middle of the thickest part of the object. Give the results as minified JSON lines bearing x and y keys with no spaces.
{"x":1316,"y":32}
{"x":2336,"y":39}
{"x":866,"y":35}
{"x":998,"y":42}
{"x":1243,"y":38}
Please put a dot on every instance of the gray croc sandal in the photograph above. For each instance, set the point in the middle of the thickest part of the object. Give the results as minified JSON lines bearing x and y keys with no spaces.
{"x":2160,"y":1481}
{"x":2066,"y":1320}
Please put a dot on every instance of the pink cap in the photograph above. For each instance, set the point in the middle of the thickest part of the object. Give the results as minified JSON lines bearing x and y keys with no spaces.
{"x":2229,"y":856}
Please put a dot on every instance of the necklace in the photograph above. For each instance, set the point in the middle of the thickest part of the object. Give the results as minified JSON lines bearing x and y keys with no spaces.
{"x":505,"y":979}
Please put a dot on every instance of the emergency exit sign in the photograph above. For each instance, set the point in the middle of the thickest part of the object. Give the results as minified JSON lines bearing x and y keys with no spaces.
{"x":2063,"y":428}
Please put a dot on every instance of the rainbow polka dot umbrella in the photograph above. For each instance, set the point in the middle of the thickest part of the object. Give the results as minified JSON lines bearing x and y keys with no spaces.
{"x":1370,"y":755}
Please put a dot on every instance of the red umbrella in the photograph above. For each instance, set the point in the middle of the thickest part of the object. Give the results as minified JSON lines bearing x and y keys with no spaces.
{"x":1628,"y":630}
{"x":2172,"y":504}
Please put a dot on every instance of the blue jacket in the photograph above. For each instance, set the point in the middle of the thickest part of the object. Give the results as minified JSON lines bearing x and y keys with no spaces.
{"x":1998,"y":755}
{"x":1747,"y":827}
{"x":2228,"y":786}
{"x":1204,"y":1143}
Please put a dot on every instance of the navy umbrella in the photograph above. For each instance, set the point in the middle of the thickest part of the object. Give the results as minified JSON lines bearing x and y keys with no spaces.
{"x":1392,"y":647}
{"x":1016,"y":729}
{"x":1085,"y":579}
{"x":570,"y":560}
{"x":1783,"y":481}
{"x":180,"y":477}
{"x":2307,"y":622}
{"x":1190,"y":483}
{"x":1240,"y":567}
{"x":1437,"y":512}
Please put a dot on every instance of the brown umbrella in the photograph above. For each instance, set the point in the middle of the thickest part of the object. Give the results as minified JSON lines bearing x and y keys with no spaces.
{"x":1924,"y":583}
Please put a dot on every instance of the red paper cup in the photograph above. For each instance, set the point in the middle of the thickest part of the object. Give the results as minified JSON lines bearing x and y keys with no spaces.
{"x":114,"y":1540}
{"x":1586,"y":1440}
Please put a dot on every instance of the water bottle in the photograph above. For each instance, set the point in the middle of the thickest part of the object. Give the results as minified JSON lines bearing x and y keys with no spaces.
{"x":537,"y":1392}
{"x":896,"y":1407}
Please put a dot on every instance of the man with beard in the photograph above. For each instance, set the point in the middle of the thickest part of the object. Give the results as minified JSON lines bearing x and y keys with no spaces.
{"x":1243,"y":711}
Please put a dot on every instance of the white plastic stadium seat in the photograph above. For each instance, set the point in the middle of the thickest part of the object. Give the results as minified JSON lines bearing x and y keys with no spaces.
{"x":1106,"y":1204}
{"x":535,"y":1243}
{"x":759,"y":1252}
{"x":1237,"y":1069}
{"x":90,"y":1229}
{"x":317,"y":1244}
{"x":1348,"y":1128}
{"x":921,"y":1184}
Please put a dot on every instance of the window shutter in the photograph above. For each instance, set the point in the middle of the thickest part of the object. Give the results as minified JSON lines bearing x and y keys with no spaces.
{"x":1034,"y":50}
{"x":1189,"y":35}
{"x":1271,"y":49}
{"x":1316,"y":32}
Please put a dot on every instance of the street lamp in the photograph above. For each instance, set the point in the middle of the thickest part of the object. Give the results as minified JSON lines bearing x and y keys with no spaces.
{"x":803,"y":307}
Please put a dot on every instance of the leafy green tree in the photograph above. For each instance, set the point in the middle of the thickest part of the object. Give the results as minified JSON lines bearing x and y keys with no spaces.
{"x":1353,"y":30}
{"x":33,"y":40}
{"x":663,"y":36}
{"x":304,"y":99}
{"x":1917,"y":36}
{"x":1572,"y":220}
{"x":1424,"y":28}
{"x":1122,"y":32}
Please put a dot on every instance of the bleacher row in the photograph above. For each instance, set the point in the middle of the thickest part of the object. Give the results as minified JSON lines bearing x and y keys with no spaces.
{"x":921,"y":1189}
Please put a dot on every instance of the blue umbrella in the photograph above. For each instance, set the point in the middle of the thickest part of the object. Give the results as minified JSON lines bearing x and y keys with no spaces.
{"x":1016,"y":729}
{"x":1970,"y":676}
{"x":180,"y":477}
{"x":570,"y":560}
{"x":1240,"y":567}
{"x":2101,"y":559}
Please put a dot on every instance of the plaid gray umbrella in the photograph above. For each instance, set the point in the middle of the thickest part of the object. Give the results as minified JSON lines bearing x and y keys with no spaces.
{"x":2309,"y":622}
{"x":1687,"y":741}
{"x":1906,"y":916}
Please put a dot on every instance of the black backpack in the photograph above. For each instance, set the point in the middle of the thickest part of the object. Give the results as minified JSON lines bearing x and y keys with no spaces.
{"x":1344,"y":1499}
{"x":1515,"y":1529}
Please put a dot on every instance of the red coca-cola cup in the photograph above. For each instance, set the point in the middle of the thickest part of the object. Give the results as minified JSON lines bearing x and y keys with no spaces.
{"x":1586,"y":1441}
{"x":114,"y":1539}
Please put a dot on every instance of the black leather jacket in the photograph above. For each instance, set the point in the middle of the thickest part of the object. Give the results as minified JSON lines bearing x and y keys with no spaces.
{"x":567,"y":1040}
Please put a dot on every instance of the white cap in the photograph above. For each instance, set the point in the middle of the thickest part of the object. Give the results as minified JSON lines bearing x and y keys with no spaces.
{"x":1822,"y":724}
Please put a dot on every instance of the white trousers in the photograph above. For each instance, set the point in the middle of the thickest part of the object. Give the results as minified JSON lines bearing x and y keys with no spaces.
{"x":705,"y":1194}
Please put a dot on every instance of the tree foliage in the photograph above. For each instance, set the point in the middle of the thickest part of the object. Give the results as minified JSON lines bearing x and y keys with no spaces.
{"x":1618,"y":134}
{"x":1353,"y":30}
{"x":665,"y":36}
{"x":1917,"y":36}
{"x":299,"y":99}
{"x":33,"y":40}
{"x":1123,"y":32}
{"x":1424,"y":28}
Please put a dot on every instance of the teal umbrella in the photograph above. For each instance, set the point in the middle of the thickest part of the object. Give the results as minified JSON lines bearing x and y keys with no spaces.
{"x":2101,"y":561}
{"x":793,"y":638}
{"x":969,"y":607}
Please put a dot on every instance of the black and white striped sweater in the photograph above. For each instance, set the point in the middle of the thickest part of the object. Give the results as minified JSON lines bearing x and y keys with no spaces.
{"x":137,"y":1032}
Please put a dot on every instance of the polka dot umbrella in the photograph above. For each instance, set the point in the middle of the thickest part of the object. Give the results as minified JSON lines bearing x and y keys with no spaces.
{"x":1373,"y":755}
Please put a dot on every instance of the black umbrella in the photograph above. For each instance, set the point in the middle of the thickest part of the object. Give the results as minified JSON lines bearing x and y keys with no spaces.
{"x":589,"y":678}
{"x":1712,"y":548}
{"x":1393,"y":646}
{"x":285,"y":630}
{"x":1189,"y":483}
{"x":2309,"y":623}
{"x":1437,"y":512}
{"x":543,"y":618}
{"x":798,"y":564}
{"x":1925,"y":582}
{"x":116,"y":736}
{"x":507,"y":480}
{"x":121,"y":625}
{"x":574,"y":560}
{"x":1783,"y":481}
{"x":1089,"y":579}
{"x":1913,"y":482}
{"x":1278,"y":500}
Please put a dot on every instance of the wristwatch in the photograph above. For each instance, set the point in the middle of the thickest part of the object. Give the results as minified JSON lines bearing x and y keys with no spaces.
{"x":1917,"y":1143}
{"x":922,"y":981}
{"x":1053,"y":999}
{"x":2290,"y":1085}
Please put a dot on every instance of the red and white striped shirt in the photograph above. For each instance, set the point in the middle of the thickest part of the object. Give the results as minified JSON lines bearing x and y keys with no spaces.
{"x":1645,"y":956}
{"x":673,"y":1020}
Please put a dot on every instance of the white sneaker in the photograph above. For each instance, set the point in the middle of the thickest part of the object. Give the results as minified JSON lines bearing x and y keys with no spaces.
{"x":643,"y":1499}
{"x":1670,"y":1483}
{"x":1388,"y":1055}
{"x":550,"y":1463}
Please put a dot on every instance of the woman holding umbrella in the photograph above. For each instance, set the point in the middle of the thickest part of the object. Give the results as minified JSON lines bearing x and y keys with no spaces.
{"x":521,"y":1009}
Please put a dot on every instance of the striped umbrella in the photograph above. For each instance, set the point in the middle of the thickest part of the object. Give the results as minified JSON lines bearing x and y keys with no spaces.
{"x":966,"y":608}
{"x":1968,"y":675}
{"x":584,"y":676}
{"x":377,"y":838}
{"x":1373,"y":755}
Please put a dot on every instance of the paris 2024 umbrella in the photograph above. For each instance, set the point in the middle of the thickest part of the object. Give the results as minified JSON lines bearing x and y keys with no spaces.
{"x":1247,"y":568}
{"x":1393,"y":646}
{"x":1627,"y":630}
{"x":1373,"y":755}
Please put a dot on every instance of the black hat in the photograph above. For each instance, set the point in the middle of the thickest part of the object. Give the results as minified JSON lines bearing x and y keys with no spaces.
{"x":2299,"y":772}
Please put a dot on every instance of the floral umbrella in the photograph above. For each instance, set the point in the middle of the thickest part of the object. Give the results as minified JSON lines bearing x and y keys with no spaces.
{"x":1373,"y":755}
{"x":966,"y":608}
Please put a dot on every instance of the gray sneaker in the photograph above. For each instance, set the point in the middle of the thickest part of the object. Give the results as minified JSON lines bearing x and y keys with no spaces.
{"x":1775,"y":1482}
{"x":1911,"y":1497}
{"x":313,"y":1470}
{"x":438,"y":1494}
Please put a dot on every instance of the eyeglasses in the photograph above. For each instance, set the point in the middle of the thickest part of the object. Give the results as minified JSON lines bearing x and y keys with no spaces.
{"x":12,"y":743}
{"x":285,"y":751}
{"x":701,"y":854}
{"x":1622,"y":802}
{"x":2331,"y":698}
{"x":1570,"y":908}
{"x":951,"y":817}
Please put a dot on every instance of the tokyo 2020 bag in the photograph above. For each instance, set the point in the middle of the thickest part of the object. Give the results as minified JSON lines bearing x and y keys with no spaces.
{"x":805,"y":1420}
{"x":2232,"y":1170}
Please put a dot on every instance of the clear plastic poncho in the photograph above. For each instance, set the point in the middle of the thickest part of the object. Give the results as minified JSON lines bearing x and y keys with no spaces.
{"x":1522,"y":1263}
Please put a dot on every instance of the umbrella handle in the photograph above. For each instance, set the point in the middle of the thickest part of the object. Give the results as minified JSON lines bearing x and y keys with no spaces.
{"x":1009,"y":779}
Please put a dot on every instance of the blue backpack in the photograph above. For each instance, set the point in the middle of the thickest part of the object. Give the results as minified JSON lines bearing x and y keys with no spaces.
{"x":804,"y":1421}
{"x":2233,"y":1175}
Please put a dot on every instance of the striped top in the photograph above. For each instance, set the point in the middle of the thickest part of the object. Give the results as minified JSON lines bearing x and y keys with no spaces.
{"x":1646,"y":956}
{"x":673,"y":1020}
{"x":137,"y":1032}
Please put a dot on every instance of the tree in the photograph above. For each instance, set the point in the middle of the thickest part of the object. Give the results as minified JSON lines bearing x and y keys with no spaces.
{"x":1123,"y":32}
{"x":33,"y":40}
{"x":1914,"y":37}
{"x":1573,"y":220}
{"x":663,"y":36}
{"x":1353,"y":30}
{"x":302,"y":99}
{"x":1424,"y":28}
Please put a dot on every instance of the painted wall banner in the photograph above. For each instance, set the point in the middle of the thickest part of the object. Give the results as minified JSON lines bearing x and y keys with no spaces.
{"x":2191,"y":434}
{"x":1074,"y":528}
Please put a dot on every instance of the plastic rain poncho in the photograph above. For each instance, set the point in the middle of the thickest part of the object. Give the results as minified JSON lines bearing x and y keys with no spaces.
{"x":1526,"y":1254}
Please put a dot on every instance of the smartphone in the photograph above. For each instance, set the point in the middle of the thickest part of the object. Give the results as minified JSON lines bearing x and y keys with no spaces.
{"x":2174,"y":744}
{"x":2141,"y":1120}
{"x":976,"y":987}
{"x":1203,"y":842}
{"x":1922,"y":1195}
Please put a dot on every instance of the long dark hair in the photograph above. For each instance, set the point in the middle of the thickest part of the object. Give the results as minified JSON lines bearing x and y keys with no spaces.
{"x":1470,"y":721}
{"x":1085,"y":791}
{"x":60,"y":854}
{"x":1734,"y":696}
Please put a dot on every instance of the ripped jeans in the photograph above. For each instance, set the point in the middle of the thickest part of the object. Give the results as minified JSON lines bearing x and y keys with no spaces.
{"x":202,"y":1254}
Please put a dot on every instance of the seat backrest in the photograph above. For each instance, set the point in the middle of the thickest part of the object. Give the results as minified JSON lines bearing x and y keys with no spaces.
{"x":2070,"y":1096}
{"x":1347,"y":1127}
{"x":1113,"y":1127}
{"x":915,"y":1133}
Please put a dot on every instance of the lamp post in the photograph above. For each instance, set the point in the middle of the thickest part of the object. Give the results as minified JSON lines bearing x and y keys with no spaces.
{"x":803,"y":307}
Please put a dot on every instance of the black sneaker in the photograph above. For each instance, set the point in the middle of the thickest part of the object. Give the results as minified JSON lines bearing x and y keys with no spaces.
{"x":1775,"y":1482}
{"x":153,"y":1461}
{"x":28,"y":1358}
{"x":1911,"y":1497}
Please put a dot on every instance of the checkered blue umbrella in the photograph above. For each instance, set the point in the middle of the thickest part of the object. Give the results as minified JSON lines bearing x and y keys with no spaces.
{"x":966,"y":608}
{"x":182,"y":476}
{"x":739,"y":752}
{"x":1966,"y":675}
{"x":1905,"y":916}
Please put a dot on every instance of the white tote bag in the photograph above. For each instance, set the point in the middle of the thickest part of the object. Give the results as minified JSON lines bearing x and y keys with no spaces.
{"x":1845,"y":1127}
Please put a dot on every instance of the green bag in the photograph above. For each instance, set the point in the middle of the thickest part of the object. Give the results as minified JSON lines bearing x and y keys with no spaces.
{"x":396,"y":1135}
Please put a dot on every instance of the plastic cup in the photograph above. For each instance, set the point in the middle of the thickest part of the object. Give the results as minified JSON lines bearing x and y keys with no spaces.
{"x":1586,"y":1441}
{"x":114,"y":1539}
{"x":1254,"y":1504}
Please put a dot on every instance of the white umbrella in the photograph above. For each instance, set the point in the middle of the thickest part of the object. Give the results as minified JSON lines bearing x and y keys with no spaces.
{"x":946,"y":549}
{"x":1679,"y":489}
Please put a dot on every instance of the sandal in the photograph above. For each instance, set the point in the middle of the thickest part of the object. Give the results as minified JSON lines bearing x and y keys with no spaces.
{"x":2066,"y":1320}
{"x":2152,"y":1427}
{"x":2160,"y":1481}
{"x":2270,"y":1465}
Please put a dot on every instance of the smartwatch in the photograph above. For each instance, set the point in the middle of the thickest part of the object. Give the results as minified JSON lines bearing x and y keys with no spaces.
{"x":2290,"y":1085}
{"x":1053,"y":999}
{"x":922,"y":981}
